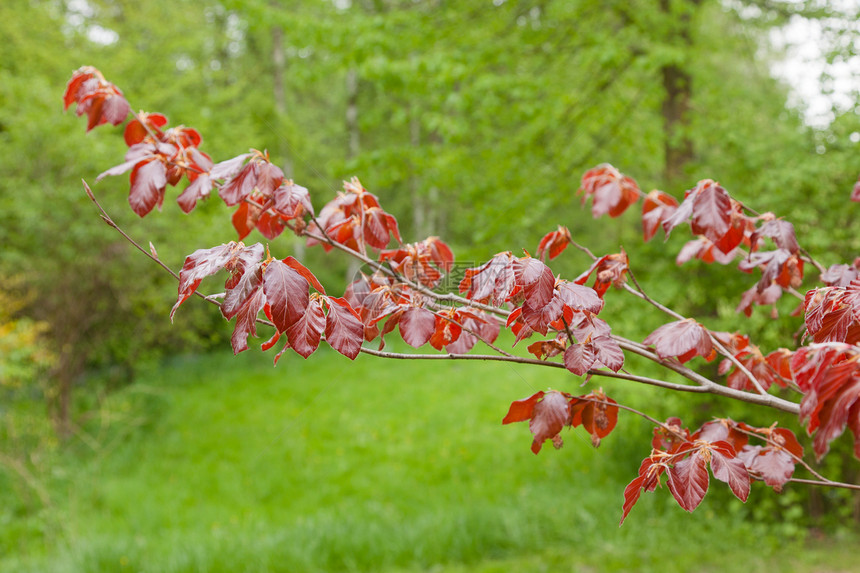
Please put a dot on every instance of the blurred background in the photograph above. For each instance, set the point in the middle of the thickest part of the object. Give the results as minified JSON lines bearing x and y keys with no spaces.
{"x":131,"y":444}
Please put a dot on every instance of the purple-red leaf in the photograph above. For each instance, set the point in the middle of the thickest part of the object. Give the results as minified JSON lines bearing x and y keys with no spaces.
{"x":578,"y":358}
{"x":148,"y":181}
{"x":731,"y":470}
{"x":286,"y":292}
{"x":683,"y":338}
{"x":417,"y":325}
{"x":246,"y":320}
{"x":548,"y":419}
{"x":343,"y":329}
{"x":304,"y":334}
{"x":688,"y":481}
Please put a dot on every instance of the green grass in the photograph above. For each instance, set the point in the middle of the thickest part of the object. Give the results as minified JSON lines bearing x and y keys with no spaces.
{"x":323,"y":465}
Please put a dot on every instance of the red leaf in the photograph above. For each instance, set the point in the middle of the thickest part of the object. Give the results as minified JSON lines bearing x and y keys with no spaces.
{"x":492,"y":282}
{"x":200,"y":264}
{"x":548,"y":418}
{"x":546,"y":348}
{"x":610,"y":269}
{"x":197,"y":190}
{"x":292,"y":200}
{"x":610,"y":191}
{"x":667,"y":441}
{"x":554,"y":243}
{"x":631,"y":496}
{"x":657,"y":208}
{"x":239,"y":186}
{"x":782,"y":233}
{"x":522,"y":410}
{"x":304,"y":334}
{"x":597,"y":413}
{"x":241,"y":290}
{"x":774,"y":466}
{"x":136,"y":130}
{"x":579,"y":358}
{"x":712,"y":211}
{"x":683,"y":339}
{"x":148,"y":181}
{"x":536,"y":280}
{"x":579,"y":297}
{"x":343,"y":330}
{"x":731,"y":470}
{"x":688,"y":481}
{"x":305,"y":272}
{"x":286,"y":292}
{"x":608,"y":352}
{"x":417,"y":325}
{"x":246,"y":320}
{"x":447,"y":332}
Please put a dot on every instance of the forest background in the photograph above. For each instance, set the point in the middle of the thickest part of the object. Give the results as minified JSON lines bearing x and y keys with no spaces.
{"x":471,"y":120}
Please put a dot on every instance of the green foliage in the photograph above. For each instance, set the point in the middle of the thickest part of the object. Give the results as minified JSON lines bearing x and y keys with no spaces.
{"x":238,"y":468}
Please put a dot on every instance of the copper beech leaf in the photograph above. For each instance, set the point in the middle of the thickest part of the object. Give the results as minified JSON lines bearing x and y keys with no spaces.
{"x":286,"y":292}
{"x":343,"y":329}
{"x":579,"y":358}
{"x":203,"y":263}
{"x":554,"y":243}
{"x":536,"y":280}
{"x":241,"y":290}
{"x":549,"y":417}
{"x":417,"y":325}
{"x":683,"y":339}
{"x":610,"y":191}
{"x":148,"y":182}
{"x":656,"y":208}
{"x":547,"y":413}
{"x":596,"y":412}
{"x":246,"y":320}
{"x":772,"y":465}
{"x":688,"y":481}
{"x":304,"y":334}
{"x":712,"y":209}
{"x":522,"y":410}
{"x":727,"y":468}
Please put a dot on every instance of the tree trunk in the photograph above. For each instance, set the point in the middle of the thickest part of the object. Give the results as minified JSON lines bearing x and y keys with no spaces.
{"x":678,"y":91}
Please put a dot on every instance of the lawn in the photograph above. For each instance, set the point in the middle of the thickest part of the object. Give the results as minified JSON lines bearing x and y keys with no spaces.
{"x":323,"y":465}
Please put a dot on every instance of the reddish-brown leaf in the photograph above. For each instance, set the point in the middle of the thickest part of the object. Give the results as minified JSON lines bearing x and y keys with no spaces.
{"x":712,"y":210}
{"x":522,"y":410}
{"x":782,"y":233}
{"x":579,"y":358}
{"x":772,"y":465}
{"x":656,"y":208}
{"x":536,"y":280}
{"x":201,"y":264}
{"x":142,"y":124}
{"x":729,"y":469}
{"x":610,"y":270}
{"x":241,"y":290}
{"x":549,"y":417}
{"x":417,"y":325}
{"x":492,"y":282}
{"x":343,"y":329}
{"x":304,"y":334}
{"x":610,"y":191}
{"x":682,"y":339}
{"x":554,"y":243}
{"x":246,"y":320}
{"x":148,"y":181}
{"x":688,"y":481}
{"x":670,"y":441}
{"x":286,"y":292}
